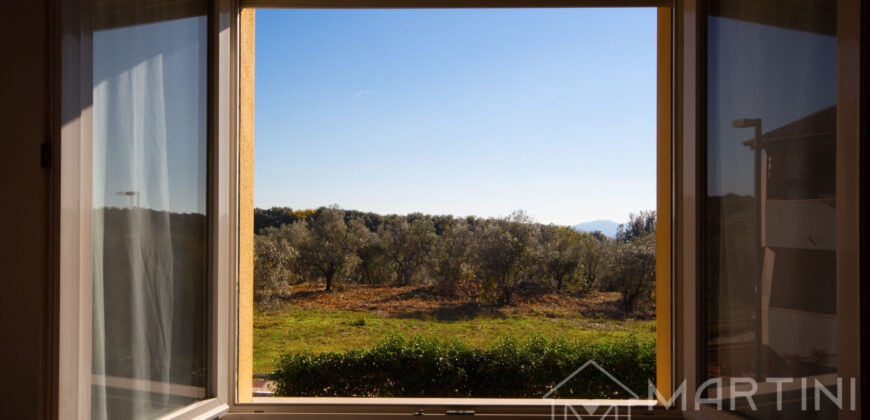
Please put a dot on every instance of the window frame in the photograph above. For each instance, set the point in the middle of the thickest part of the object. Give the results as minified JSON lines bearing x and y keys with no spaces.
{"x":73,"y":31}
{"x":680,"y":117}
{"x":242,"y":404}
{"x":690,"y":167}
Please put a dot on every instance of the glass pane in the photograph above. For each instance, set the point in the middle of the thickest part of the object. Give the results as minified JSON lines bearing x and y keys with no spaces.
{"x":770,"y":244}
{"x":149,"y":197}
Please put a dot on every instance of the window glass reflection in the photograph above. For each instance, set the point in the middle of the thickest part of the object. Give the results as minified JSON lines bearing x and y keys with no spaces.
{"x":770,"y":223}
{"x":149,"y":197}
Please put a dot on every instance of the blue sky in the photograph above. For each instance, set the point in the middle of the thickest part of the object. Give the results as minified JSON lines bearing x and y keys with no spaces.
{"x":464,"y":112}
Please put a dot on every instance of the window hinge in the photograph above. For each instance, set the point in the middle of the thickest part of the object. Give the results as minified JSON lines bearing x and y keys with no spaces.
{"x":45,"y":154}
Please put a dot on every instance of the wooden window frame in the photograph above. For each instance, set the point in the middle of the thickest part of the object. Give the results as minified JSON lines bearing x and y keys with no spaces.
{"x":690,"y":164}
{"x":244,"y":405}
{"x":73,"y":35}
{"x":680,"y":128}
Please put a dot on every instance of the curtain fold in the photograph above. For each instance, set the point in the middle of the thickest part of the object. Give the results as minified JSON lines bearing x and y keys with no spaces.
{"x":130,"y":137}
{"x":149,"y":220}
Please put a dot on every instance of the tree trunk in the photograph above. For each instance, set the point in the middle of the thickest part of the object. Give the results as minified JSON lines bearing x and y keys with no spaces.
{"x":405,"y":276}
{"x":505,"y":292}
{"x":328,"y":278}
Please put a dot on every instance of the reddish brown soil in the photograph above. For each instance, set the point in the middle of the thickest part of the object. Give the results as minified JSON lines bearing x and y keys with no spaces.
{"x":395,"y":300}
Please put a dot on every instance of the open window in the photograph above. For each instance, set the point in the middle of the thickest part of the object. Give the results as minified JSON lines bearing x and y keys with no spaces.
{"x":767,"y":287}
{"x":311,"y":24}
{"x":774,"y":198}
{"x":145,"y":141}
{"x":759,"y":199}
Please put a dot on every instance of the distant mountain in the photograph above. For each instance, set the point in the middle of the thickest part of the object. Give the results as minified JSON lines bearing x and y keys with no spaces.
{"x":607,"y":227}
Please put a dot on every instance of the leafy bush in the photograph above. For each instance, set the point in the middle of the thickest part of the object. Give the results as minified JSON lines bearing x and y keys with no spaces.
{"x":418,"y":367}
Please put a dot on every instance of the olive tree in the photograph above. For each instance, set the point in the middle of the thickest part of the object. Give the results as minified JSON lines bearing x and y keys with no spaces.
{"x":560,"y":257}
{"x":277,"y":260}
{"x":632,"y":270}
{"x":641,"y":224}
{"x":408,"y":244}
{"x":273,"y":261}
{"x":594,"y":258}
{"x":505,"y":249}
{"x":375,"y":266}
{"x":329,"y":245}
{"x":452,"y":266}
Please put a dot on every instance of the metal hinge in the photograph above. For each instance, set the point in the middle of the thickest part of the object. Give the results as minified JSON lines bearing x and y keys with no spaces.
{"x":460,"y":412}
{"x":45,"y":154}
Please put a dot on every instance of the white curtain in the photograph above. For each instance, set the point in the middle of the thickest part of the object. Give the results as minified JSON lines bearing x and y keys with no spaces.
{"x":132,"y":244}
{"x":149,"y":194}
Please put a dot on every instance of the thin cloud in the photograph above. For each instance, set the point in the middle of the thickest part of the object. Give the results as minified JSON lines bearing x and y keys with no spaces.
{"x":363,"y":92}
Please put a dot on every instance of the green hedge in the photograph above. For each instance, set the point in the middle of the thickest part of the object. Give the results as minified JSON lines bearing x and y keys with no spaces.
{"x":417,"y":367}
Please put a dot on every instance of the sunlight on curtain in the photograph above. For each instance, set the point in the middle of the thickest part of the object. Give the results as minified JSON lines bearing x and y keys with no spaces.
{"x":149,"y":171}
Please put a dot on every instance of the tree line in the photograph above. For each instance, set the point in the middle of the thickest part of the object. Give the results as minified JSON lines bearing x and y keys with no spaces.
{"x":488,"y":260}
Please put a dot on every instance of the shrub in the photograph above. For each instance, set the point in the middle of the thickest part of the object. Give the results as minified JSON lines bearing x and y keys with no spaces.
{"x":418,"y":367}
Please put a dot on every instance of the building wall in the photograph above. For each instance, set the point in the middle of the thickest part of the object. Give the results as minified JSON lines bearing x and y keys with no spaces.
{"x":24,"y":302}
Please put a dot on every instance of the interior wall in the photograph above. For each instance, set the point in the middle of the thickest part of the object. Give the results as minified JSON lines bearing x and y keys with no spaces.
{"x":24,"y":117}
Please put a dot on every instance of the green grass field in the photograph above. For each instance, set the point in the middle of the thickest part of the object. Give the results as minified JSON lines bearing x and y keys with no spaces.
{"x":298,"y":330}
